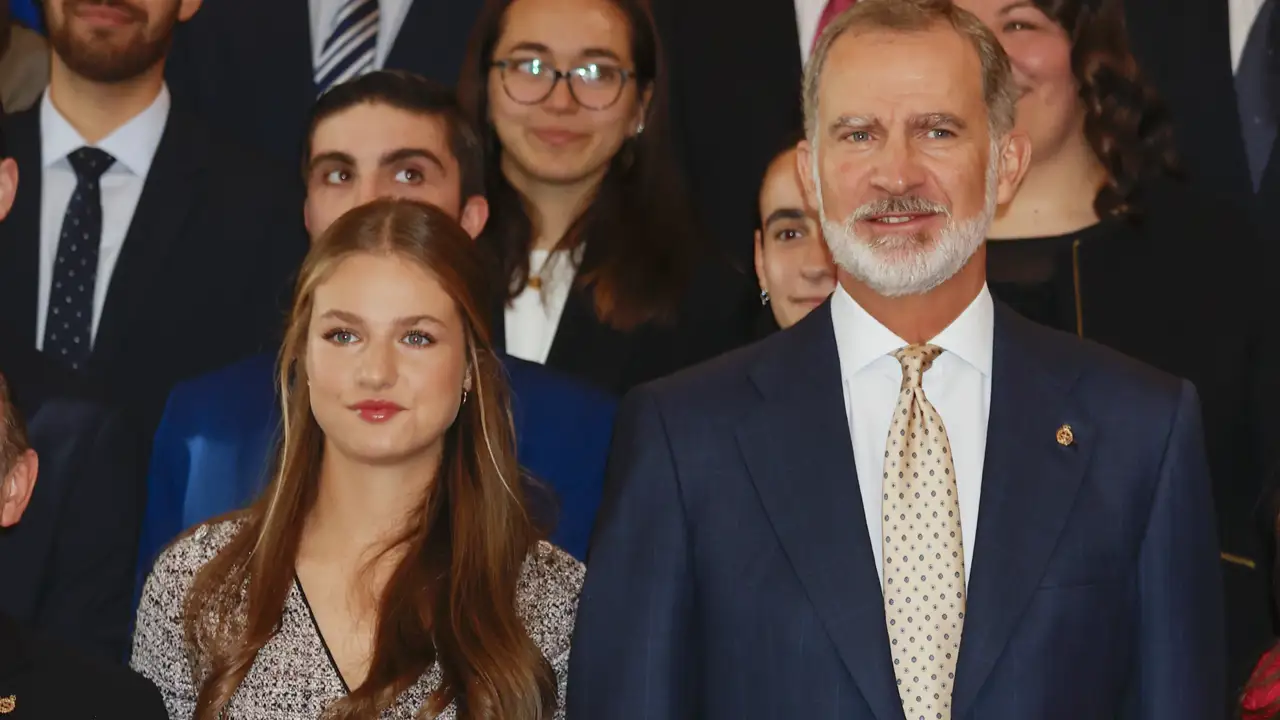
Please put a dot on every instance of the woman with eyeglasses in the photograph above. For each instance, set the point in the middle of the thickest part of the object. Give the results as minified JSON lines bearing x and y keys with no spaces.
{"x":588,"y":228}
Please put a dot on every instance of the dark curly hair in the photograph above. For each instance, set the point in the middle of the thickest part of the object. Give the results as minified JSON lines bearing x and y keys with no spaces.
{"x":1126,"y":122}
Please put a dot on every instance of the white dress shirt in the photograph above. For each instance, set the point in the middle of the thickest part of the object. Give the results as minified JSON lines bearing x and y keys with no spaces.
{"x":133,"y":146}
{"x":808,"y":13}
{"x":1242,"y":14}
{"x":391,"y":14}
{"x":958,"y":384}
{"x":533,"y":316}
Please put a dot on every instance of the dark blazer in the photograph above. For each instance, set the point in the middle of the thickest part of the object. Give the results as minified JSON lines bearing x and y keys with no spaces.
{"x":611,"y":360}
{"x":208,"y":256}
{"x":69,"y":564}
{"x":215,"y":446}
{"x":39,"y":680}
{"x":731,"y":575}
{"x":1183,"y":47}
{"x":246,"y":67}
{"x":709,"y":321}
{"x":735,"y":101}
{"x":34,"y":378}
{"x":1144,"y":290}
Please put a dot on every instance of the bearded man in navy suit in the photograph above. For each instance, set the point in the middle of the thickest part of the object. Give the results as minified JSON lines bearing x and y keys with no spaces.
{"x":913,"y":503}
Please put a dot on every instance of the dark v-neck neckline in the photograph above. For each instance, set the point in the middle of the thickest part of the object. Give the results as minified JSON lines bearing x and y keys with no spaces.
{"x":315,"y":625}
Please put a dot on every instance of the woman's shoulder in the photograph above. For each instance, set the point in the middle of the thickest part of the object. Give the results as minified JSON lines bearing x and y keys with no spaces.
{"x":547,"y":596}
{"x":178,"y":564}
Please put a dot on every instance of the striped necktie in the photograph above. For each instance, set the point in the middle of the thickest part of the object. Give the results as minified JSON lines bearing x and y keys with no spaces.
{"x":352,"y":46}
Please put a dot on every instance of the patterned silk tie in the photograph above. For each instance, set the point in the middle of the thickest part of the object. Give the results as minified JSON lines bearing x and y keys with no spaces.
{"x":829,"y":13}
{"x":352,"y":47}
{"x":924,"y":590}
{"x":69,"y":320}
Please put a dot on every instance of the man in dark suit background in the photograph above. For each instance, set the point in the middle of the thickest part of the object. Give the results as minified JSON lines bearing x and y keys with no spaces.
{"x":141,"y":249}
{"x":254,"y":68}
{"x":68,"y":566}
{"x":1215,"y":63}
{"x":39,"y":678}
{"x":388,"y":133}
{"x":913,"y":503}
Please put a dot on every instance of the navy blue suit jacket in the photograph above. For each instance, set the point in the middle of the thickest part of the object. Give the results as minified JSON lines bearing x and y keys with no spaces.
{"x":731,"y":574}
{"x":213,"y":450}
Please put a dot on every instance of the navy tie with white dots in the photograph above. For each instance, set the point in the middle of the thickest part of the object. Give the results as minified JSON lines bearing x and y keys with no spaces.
{"x":68,"y":335}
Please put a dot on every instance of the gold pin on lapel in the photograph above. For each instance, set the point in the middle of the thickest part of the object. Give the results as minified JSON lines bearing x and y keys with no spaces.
{"x":1065,"y":436}
{"x":8,"y":704}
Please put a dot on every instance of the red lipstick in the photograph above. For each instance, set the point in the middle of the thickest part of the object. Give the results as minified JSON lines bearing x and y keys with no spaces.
{"x":376,"y":411}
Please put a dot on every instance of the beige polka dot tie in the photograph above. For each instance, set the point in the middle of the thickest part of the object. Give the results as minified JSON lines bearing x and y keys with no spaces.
{"x":923,"y":554}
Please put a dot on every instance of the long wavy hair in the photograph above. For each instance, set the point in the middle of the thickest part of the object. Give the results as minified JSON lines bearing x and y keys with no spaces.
{"x":642,"y":243}
{"x":1126,"y":122}
{"x":452,"y":597}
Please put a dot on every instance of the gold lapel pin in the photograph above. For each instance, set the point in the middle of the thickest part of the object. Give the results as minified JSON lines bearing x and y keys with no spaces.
{"x":8,"y":704}
{"x":1065,"y":436}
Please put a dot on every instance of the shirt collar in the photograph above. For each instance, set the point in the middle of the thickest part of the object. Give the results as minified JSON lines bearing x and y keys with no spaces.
{"x":133,"y":144}
{"x":861,"y":339}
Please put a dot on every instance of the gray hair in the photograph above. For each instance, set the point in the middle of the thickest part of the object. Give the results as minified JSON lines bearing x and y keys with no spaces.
{"x":998,"y":89}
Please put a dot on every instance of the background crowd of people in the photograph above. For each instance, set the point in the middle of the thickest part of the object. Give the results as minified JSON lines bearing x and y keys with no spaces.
{"x":363,"y":356}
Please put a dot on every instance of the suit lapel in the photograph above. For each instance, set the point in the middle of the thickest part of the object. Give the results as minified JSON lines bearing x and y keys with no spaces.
{"x":586,"y":348}
{"x":155,"y":230}
{"x":1029,"y":483}
{"x":797,"y":448}
{"x":21,"y":231}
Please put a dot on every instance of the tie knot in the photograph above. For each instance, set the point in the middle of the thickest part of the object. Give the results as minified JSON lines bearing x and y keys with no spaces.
{"x":89,"y":163}
{"x":916,"y":359}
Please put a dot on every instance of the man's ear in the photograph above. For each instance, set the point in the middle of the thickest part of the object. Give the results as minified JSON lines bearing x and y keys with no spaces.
{"x":474,"y":216}
{"x":1015,"y":158}
{"x":8,"y":185}
{"x":16,"y":488}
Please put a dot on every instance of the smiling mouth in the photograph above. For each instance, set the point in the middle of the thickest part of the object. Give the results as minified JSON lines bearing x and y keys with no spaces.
{"x":900,"y":220}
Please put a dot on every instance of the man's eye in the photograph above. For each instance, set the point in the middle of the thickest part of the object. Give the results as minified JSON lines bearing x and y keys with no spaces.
{"x":336,"y":177}
{"x":409,"y":175}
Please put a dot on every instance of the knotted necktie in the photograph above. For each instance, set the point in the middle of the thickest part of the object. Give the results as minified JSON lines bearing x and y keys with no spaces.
{"x":924,"y":590}
{"x":352,"y":46}
{"x":68,"y":328}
